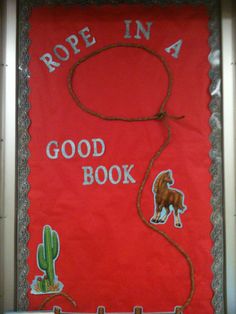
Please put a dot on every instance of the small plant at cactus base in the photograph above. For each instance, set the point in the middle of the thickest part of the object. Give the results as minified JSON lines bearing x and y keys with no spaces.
{"x":47,"y":254}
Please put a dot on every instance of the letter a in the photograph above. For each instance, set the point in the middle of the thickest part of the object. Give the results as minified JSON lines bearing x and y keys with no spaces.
{"x":176,"y":47}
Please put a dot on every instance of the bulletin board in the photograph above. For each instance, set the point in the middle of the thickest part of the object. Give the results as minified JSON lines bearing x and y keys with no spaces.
{"x":119,"y":192}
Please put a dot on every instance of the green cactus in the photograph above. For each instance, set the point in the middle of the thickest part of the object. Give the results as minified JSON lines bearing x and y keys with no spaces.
{"x":47,"y":254}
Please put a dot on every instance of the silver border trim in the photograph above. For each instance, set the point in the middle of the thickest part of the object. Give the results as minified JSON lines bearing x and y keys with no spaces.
{"x":216,"y":155}
{"x":23,"y":138}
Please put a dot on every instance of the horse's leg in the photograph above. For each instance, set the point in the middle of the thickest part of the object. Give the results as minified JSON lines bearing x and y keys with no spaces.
{"x":157,"y":214}
{"x":164,"y":218}
{"x":178,"y":223}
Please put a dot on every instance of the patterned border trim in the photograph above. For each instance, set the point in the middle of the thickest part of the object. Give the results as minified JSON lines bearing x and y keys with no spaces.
{"x":23,"y":138}
{"x":216,"y":155}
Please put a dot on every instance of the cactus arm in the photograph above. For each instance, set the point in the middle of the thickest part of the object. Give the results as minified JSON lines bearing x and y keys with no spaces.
{"x":54,"y":245}
{"x":41,"y":260}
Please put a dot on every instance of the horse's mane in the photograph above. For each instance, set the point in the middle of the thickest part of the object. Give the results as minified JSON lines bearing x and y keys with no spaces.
{"x":158,"y":182}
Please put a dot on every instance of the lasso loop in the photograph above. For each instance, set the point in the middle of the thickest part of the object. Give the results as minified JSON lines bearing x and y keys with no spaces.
{"x":161,"y":116}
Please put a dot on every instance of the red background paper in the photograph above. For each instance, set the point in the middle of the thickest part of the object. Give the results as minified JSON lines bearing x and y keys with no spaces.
{"x":107,"y":256}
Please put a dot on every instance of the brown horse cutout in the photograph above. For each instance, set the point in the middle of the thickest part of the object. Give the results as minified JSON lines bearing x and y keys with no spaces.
{"x":167,"y":198}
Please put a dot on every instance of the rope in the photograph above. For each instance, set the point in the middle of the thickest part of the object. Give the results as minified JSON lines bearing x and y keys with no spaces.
{"x":162,"y":233}
{"x":160,"y":116}
{"x":157,"y":116}
{"x":53,"y":296}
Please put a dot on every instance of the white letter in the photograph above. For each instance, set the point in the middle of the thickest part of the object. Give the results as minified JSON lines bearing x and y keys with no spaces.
{"x":141,"y":29}
{"x":86,"y":37}
{"x":47,"y":59}
{"x":88,"y":174}
{"x":60,"y":57}
{"x":88,"y":148}
{"x":73,"y":41}
{"x":127,"y":175}
{"x":127,"y":28}
{"x":95,"y":147}
{"x":63,"y":149}
{"x":176,"y":47}
{"x":105,"y":175}
{"x":111,"y":175}
{"x":55,"y":150}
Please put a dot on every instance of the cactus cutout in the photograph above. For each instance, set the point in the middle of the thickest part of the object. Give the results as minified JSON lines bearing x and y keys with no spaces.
{"x":47,"y":254}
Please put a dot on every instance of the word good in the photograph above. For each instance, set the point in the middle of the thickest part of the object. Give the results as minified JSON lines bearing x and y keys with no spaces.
{"x":68,"y":149}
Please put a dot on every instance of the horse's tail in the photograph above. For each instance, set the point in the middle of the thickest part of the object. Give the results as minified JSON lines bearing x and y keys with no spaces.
{"x":178,"y":199}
